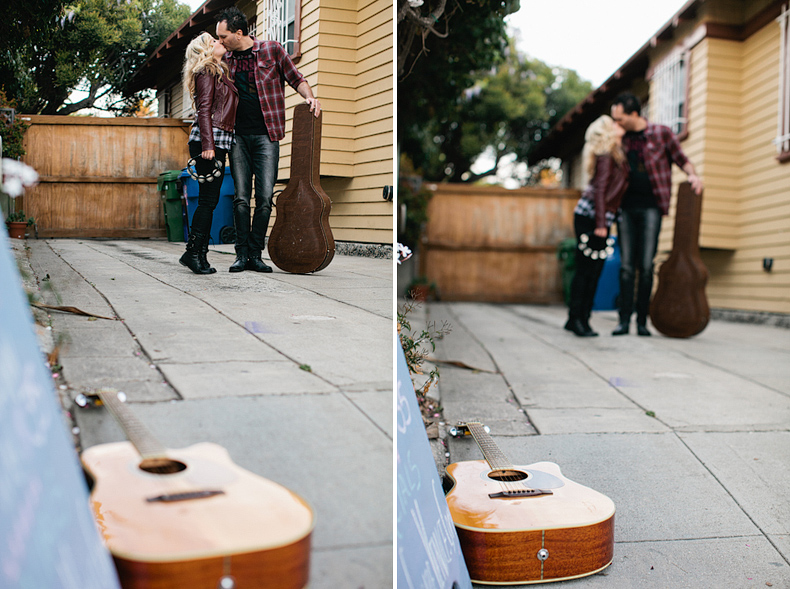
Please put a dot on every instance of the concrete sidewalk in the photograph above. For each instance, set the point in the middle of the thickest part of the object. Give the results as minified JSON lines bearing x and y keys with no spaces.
{"x":292,"y":374}
{"x":689,"y":437}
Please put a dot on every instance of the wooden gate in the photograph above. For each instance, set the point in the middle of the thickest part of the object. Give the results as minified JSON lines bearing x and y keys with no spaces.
{"x":485,"y":243}
{"x":97,"y":176}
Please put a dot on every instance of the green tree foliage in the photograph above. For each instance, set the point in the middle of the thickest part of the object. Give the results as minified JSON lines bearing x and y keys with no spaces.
{"x":92,"y":45}
{"x":502,"y":112}
{"x":11,"y":132}
{"x":437,"y":70}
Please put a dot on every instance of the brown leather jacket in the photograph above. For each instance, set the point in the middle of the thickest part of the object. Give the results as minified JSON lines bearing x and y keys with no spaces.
{"x":608,"y":185}
{"x":216,"y":99}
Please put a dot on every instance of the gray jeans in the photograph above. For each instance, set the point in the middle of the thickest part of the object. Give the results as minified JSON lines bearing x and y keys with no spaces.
{"x":638,"y":231}
{"x":258,"y":156}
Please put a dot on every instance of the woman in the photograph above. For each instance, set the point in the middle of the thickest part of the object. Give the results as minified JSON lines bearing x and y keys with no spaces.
{"x":605,"y":163}
{"x":207,"y":81}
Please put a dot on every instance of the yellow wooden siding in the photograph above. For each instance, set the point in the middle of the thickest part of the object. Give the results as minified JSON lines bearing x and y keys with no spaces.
{"x":765,"y":191}
{"x":746,"y":205}
{"x":347,"y":58}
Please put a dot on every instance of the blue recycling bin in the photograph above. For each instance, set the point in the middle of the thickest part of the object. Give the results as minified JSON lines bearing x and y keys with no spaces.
{"x":222,"y":229}
{"x":609,"y":283}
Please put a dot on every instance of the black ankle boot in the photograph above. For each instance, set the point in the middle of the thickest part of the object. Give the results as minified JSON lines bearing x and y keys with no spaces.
{"x":191,"y":257}
{"x":621,"y":329}
{"x":241,"y":260}
{"x":202,"y":256}
{"x":255,"y":264}
{"x":587,"y":328}
{"x":576,"y":326}
{"x":641,"y":329}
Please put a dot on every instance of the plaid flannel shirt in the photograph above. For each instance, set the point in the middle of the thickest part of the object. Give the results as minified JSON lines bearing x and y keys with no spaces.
{"x":661,"y":149}
{"x":274,"y":67}
{"x":586,"y":207}
{"x":222,"y":138}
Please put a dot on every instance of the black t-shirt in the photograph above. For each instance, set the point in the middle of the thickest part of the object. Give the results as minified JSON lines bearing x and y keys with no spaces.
{"x":639,"y":193}
{"x":249,"y":117}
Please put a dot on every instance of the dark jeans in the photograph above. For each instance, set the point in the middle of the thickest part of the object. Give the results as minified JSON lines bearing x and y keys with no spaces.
{"x":638,"y":231}
{"x":258,"y":156}
{"x":587,"y":273}
{"x":208,"y":192}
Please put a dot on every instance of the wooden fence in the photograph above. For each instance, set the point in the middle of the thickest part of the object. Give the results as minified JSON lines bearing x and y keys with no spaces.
{"x":496,"y":245}
{"x":98,"y":175}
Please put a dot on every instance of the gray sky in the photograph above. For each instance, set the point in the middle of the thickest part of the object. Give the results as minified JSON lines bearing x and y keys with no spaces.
{"x":593,"y":37}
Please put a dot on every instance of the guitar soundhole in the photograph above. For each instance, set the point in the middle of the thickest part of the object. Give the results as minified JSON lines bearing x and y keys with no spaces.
{"x":162,"y":466}
{"x":508,"y":475}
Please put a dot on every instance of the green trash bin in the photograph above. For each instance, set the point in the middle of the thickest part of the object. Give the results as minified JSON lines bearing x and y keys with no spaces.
{"x":566,"y":253}
{"x":168,"y":185}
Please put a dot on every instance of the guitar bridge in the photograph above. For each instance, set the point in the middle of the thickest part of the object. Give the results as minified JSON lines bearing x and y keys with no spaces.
{"x":185,"y":496}
{"x":520,"y":493}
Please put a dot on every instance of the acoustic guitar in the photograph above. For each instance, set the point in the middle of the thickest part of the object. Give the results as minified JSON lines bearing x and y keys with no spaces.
{"x":679,"y":307}
{"x":191,"y":517}
{"x":301,"y":239}
{"x":526,"y":524}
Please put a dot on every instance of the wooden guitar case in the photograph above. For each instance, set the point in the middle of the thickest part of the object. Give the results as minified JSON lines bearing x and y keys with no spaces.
{"x":679,"y":308}
{"x":301,"y":240}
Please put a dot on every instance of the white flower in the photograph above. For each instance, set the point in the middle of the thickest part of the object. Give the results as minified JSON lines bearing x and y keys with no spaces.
{"x":404,"y":253}
{"x":415,"y":3}
{"x":16,"y":177}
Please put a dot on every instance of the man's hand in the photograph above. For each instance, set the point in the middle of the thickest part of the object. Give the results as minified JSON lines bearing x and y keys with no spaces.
{"x":600,"y":232}
{"x":208,"y":155}
{"x":696,"y":183}
{"x":315,"y":106}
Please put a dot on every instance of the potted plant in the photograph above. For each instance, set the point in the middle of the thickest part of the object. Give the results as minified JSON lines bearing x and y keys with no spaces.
{"x":17,"y":223}
{"x":421,"y":289}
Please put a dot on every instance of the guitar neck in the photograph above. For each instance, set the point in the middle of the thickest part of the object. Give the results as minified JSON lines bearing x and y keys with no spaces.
{"x":494,"y":456}
{"x":142,"y":439}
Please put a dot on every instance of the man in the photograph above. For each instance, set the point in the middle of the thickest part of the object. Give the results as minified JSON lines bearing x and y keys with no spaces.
{"x":260,"y":70}
{"x":651,"y":150}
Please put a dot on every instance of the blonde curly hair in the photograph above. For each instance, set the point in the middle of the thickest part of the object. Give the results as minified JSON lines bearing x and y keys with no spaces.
{"x":600,"y":139}
{"x":199,"y":58}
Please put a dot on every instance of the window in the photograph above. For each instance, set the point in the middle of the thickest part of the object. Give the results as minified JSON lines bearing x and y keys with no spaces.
{"x":668,"y":92}
{"x":166,"y":103}
{"x":282,"y":23}
{"x":252,"y":27}
{"x":782,"y":140}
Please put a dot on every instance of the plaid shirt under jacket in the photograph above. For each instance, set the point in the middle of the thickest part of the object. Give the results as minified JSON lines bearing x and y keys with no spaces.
{"x":222,"y":139}
{"x":274,"y":67}
{"x":661,"y":149}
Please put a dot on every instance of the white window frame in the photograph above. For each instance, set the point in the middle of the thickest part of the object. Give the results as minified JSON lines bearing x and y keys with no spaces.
{"x":668,"y":99}
{"x":782,"y":140}
{"x":278,"y":17}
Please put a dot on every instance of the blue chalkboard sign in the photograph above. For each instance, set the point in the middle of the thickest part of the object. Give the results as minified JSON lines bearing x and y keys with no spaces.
{"x":48,"y":538}
{"x":428,"y":553}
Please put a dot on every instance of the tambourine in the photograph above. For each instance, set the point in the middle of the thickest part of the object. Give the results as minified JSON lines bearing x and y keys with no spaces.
{"x":216,"y":173}
{"x":589,"y":250}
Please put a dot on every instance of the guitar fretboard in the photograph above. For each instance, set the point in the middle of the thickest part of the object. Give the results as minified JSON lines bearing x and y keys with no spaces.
{"x":142,"y":439}
{"x":494,"y":456}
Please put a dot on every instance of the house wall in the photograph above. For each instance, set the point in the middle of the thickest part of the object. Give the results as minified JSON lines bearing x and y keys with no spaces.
{"x":764,"y":200}
{"x":347,"y":59}
{"x":746,"y":204}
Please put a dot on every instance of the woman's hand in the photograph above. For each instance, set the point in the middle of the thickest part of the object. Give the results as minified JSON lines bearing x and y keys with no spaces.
{"x":600,"y":232}
{"x":208,"y":155}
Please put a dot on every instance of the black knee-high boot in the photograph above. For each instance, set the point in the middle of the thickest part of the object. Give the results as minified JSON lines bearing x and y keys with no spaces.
{"x":202,"y":256}
{"x":191,"y":257}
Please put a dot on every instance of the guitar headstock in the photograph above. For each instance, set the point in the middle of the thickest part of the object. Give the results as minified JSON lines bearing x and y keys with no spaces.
{"x":94,"y":398}
{"x":461,"y":429}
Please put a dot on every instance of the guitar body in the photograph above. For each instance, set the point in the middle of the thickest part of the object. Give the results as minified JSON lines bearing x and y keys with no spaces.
{"x":301,"y":240}
{"x":679,"y":307}
{"x":501,"y":538}
{"x":255,"y":531}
